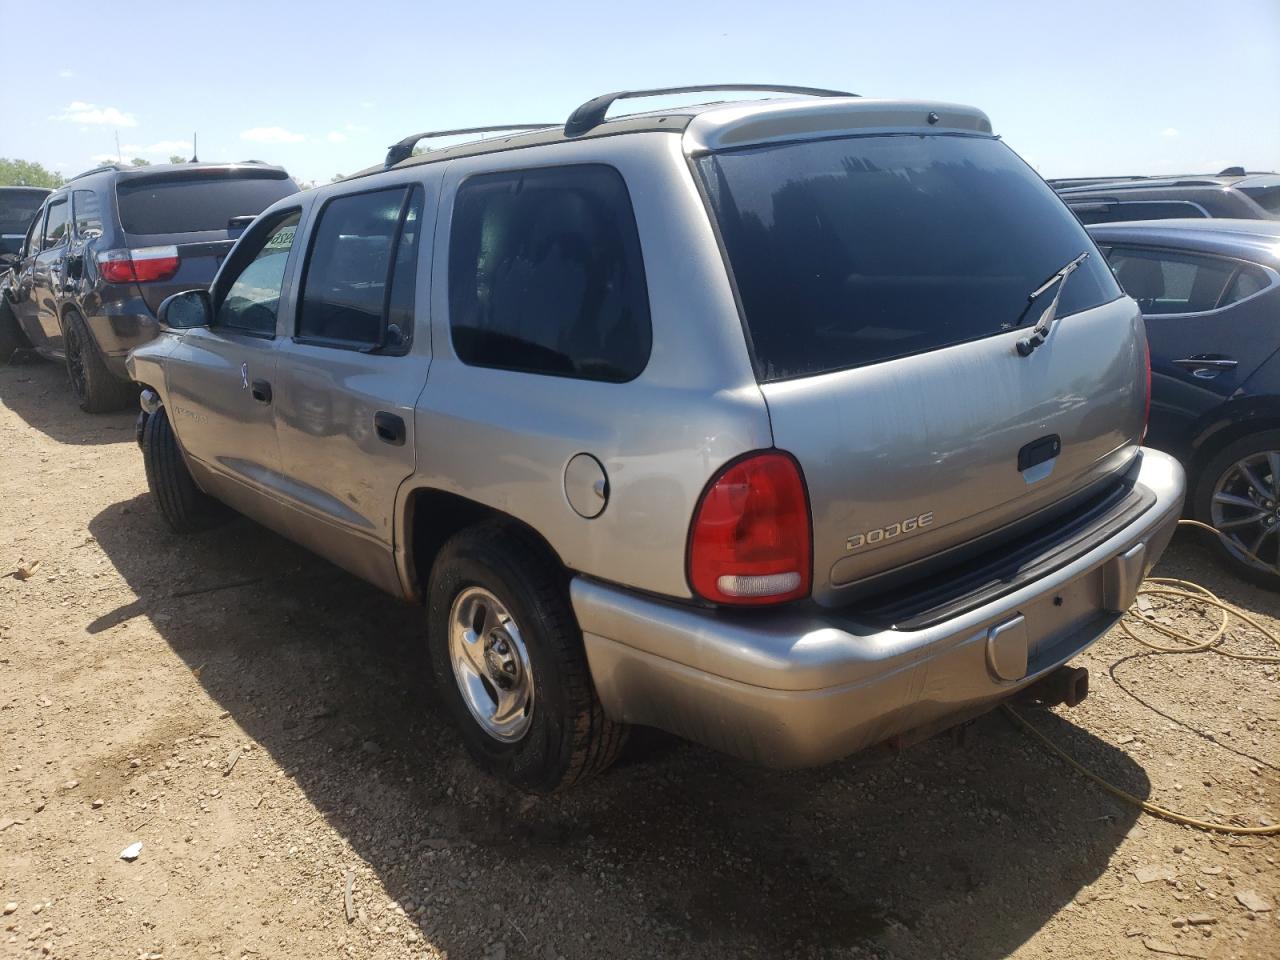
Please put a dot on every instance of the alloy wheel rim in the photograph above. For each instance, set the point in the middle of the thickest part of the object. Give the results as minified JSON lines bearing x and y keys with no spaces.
{"x":1246,"y":509}
{"x":491,"y":664}
{"x":75,"y":360}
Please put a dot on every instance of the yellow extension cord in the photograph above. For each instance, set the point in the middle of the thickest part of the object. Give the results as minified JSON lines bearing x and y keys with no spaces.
{"x":1187,"y":644}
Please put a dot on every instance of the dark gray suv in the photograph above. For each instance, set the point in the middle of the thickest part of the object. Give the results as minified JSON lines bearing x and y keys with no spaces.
{"x":1231,"y":193}
{"x":109,"y":245}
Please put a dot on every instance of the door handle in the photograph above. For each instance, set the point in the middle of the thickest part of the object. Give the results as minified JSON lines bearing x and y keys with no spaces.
{"x":389,"y":428}
{"x":1206,"y":368}
{"x":261,"y":391}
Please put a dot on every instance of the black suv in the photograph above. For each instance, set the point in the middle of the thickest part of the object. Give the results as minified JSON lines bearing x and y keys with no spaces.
{"x":110,"y":244}
{"x":1231,"y":193}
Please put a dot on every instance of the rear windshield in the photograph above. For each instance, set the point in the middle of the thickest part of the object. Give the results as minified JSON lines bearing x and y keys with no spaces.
{"x":853,"y":251}
{"x":1268,"y":198}
{"x":17,"y":207}
{"x":191,"y":204}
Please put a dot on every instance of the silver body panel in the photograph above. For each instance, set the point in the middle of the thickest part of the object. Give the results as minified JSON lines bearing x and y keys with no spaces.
{"x":876,"y":444}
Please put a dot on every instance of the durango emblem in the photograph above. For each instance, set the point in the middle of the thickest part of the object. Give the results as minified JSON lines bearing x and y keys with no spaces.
{"x":889,"y":532}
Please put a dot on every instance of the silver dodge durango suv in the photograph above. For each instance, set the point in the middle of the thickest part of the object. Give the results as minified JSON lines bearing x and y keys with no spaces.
{"x":787,"y":425}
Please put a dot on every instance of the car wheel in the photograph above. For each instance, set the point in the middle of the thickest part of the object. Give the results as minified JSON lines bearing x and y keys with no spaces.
{"x":11,"y":336}
{"x":97,"y":389}
{"x":184,"y":506}
{"x":1238,"y":493}
{"x":507,"y":656}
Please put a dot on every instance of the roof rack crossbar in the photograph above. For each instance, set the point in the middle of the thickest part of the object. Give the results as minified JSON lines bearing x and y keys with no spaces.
{"x":403,"y":150}
{"x":591,"y":114}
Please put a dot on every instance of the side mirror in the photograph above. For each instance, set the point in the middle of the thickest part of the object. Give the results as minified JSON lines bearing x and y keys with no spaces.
{"x":182,"y":311}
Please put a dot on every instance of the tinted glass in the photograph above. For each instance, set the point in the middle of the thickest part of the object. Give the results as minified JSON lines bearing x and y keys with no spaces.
{"x":1268,"y":198}
{"x":55,"y":225}
{"x":546,"y":276}
{"x":254,"y":298}
{"x":352,"y":273}
{"x":87,"y":213}
{"x":17,"y":207}
{"x":1165,"y":282}
{"x":854,"y":251}
{"x":1247,"y":282}
{"x":196,"y":203}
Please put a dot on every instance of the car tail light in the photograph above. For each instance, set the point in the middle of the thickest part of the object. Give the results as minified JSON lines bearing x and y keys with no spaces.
{"x":1146,"y":406}
{"x":750,"y":542}
{"x":140,"y":265}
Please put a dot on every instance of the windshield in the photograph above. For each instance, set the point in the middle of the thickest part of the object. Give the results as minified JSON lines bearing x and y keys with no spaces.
{"x":858,"y":250}
{"x":196,"y":203}
{"x":17,"y":207}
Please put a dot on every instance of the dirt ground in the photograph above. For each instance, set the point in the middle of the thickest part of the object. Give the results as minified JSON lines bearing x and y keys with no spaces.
{"x":260,"y":722}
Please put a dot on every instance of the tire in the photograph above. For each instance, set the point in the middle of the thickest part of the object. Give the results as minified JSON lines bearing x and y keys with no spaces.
{"x":566,"y":737}
{"x":11,"y":336}
{"x":1222,"y":475}
{"x":97,"y":389}
{"x":184,"y":506}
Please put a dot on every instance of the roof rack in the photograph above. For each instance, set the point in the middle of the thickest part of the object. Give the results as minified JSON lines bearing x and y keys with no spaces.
{"x":102,"y":169}
{"x":591,"y":114}
{"x":403,"y":150}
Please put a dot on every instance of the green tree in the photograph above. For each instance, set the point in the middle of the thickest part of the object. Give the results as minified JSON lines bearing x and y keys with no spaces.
{"x":139,"y":162}
{"x":25,"y":173}
{"x":174,"y":158}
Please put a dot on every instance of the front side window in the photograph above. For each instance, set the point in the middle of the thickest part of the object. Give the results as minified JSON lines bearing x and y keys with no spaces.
{"x":252,"y":302}
{"x":1166,"y":282}
{"x":55,"y":226}
{"x":32,"y":243}
{"x":546,"y":274}
{"x":858,"y":250}
{"x":88,"y":213}
{"x":358,"y":287}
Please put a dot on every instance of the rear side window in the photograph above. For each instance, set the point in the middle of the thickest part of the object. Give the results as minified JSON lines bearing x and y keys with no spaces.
{"x":858,"y":250}
{"x":362,"y":269}
{"x":546,"y":274}
{"x":252,"y":302}
{"x":17,"y":207}
{"x":197,"y":203}
{"x":55,"y":225}
{"x":1109,"y":211}
{"x":1166,"y":282}
{"x":88,"y":214}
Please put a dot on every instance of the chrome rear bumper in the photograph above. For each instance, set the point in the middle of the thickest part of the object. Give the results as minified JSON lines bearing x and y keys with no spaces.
{"x":803,"y":687}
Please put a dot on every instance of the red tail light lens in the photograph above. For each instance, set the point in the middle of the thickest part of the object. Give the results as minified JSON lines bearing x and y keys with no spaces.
{"x":1146,"y":408}
{"x":750,"y":542}
{"x":140,"y":265}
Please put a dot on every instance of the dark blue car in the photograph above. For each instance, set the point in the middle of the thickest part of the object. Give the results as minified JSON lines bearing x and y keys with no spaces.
{"x":1210,"y":292}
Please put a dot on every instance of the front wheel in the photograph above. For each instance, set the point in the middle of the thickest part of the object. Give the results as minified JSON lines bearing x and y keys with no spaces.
{"x":184,"y":506}
{"x":507,"y":655}
{"x":1238,"y":494}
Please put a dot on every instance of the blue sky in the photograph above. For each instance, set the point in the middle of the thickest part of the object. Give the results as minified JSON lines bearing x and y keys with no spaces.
{"x":1078,"y":88}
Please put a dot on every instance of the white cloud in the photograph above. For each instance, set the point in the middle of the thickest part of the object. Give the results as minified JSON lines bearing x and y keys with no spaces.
{"x":1169,"y":132}
{"x":271,"y":135}
{"x":80,"y":112}
{"x":66,"y":74}
{"x":336,"y":137}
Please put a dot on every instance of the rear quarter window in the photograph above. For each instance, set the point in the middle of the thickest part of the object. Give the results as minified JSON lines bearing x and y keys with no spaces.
{"x":194,"y":204}
{"x":854,"y":251}
{"x":546,"y":274}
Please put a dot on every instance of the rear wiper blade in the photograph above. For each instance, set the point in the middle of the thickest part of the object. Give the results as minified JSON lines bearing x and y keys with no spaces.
{"x":1037,"y":336}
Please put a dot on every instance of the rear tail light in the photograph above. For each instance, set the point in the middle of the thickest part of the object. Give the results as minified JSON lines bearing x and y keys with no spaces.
{"x":140,"y":265}
{"x":1146,"y":406}
{"x":750,"y":542}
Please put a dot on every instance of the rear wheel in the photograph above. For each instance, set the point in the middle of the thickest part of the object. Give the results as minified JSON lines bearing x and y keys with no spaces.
{"x":507,"y":655}
{"x":184,"y":506}
{"x":1238,"y":493}
{"x":11,"y":336}
{"x":97,"y":389}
